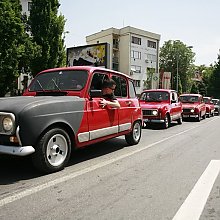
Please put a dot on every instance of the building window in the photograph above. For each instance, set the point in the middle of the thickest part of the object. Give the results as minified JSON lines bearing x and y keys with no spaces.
{"x":29,"y":6}
{"x":137,"y":83}
{"x":135,"y":54}
{"x":136,"y":40}
{"x":136,"y":69}
{"x":151,"y":44}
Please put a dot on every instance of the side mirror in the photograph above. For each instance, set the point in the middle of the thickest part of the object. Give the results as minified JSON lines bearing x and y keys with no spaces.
{"x":94,"y":93}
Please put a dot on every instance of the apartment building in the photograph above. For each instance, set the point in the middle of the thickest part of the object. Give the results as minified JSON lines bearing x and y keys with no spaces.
{"x":132,"y":51}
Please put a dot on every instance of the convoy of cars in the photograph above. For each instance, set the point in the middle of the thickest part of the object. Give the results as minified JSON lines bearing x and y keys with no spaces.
{"x":60,"y":111}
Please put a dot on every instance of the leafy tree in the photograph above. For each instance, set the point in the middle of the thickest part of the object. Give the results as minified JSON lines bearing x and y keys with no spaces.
{"x":177,"y":58}
{"x":47,"y":29}
{"x":11,"y":35}
{"x":214,"y":83}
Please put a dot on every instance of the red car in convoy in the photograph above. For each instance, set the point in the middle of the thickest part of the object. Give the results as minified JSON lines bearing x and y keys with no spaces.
{"x":193,"y":106}
{"x":161,"y":106}
{"x":60,"y":111}
{"x":210,"y":107}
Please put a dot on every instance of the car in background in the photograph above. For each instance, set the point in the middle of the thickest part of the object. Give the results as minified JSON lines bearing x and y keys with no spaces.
{"x":210,"y":108}
{"x":193,"y":106}
{"x":161,"y":106}
{"x":60,"y":111}
{"x":216,"y":103}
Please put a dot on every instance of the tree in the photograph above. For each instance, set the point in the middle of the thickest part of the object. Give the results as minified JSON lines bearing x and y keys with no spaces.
{"x":11,"y":35}
{"x":214,"y":84}
{"x":177,"y":58}
{"x":47,"y":29}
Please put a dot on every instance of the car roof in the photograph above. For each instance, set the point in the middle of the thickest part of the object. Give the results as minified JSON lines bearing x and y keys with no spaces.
{"x":190,"y":94}
{"x":90,"y":69}
{"x":159,"y":90}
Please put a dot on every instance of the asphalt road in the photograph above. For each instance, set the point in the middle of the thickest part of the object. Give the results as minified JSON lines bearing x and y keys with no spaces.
{"x":171,"y":174}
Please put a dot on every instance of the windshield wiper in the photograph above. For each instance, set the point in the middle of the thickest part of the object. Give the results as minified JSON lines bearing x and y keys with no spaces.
{"x":56,"y":85}
{"x":40,"y":85}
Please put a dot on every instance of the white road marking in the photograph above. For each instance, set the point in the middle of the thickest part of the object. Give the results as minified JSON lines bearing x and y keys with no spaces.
{"x":194,"y":204}
{"x":36,"y":189}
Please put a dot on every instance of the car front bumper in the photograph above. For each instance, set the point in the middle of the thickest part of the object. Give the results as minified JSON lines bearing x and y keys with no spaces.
{"x":17,"y":151}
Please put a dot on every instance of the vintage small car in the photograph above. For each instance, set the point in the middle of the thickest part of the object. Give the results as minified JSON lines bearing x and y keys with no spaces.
{"x":216,"y":103}
{"x":193,"y":106}
{"x":210,"y":108}
{"x":161,"y":106}
{"x":60,"y":111}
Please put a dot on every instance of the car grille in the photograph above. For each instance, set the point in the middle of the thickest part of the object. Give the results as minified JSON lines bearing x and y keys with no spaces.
{"x":148,"y":112}
{"x":186,"y":110}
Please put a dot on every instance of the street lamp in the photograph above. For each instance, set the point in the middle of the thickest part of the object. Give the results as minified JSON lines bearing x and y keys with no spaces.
{"x":177,"y":69}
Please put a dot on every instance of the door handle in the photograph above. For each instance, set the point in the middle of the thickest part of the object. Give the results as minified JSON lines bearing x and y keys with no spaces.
{"x":128,"y":103}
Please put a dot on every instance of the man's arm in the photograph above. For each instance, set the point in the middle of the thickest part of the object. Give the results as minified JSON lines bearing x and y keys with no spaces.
{"x":113,"y":103}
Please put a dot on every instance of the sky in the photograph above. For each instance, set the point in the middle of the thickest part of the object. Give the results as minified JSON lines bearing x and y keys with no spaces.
{"x":194,"y":22}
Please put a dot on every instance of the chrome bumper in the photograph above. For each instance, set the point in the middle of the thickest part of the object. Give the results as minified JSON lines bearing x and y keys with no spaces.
{"x":154,"y":120}
{"x":17,"y":151}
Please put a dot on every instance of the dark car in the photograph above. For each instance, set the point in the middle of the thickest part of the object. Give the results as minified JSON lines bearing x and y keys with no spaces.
{"x":60,"y":111}
{"x":216,"y":103}
{"x":161,"y":106}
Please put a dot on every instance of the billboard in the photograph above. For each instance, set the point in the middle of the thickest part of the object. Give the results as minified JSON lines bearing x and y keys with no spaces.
{"x":89,"y":55}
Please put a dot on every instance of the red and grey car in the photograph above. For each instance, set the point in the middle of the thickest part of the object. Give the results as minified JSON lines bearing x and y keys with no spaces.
{"x":210,"y":108}
{"x":60,"y":111}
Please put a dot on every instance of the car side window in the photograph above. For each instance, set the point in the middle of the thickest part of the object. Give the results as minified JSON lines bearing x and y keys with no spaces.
{"x":174,"y":97}
{"x":97,"y":81}
{"x":132,"y":91}
{"x":121,"y":86}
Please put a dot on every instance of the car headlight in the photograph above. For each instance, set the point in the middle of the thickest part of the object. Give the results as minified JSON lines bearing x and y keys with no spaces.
{"x":192,"y":110}
{"x":154,"y":112}
{"x":7,"y":123}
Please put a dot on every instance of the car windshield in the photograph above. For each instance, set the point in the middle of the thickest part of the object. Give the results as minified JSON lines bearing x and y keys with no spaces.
{"x":59,"y":81}
{"x":189,"y":98}
{"x":215,"y":101}
{"x":154,"y":96}
{"x":206,"y":100}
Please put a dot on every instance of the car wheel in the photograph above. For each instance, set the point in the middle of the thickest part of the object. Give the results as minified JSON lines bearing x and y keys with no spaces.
{"x":166,"y":123}
{"x":204,"y":116}
{"x":52,"y":151}
{"x":135,"y":135}
{"x":199,"y":117}
{"x":180,"y":120}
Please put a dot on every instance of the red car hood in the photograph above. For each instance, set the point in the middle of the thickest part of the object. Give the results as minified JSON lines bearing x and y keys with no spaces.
{"x":152,"y":105}
{"x":190,"y":105}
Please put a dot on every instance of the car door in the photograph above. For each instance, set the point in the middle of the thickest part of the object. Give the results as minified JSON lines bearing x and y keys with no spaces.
{"x":102,"y":121}
{"x":176,"y":108}
{"x":127,"y":104}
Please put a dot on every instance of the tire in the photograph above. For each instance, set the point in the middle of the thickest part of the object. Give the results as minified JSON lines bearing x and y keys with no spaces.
{"x":52,"y":151}
{"x":199,"y":117}
{"x":135,"y":135}
{"x":180,"y":120}
{"x":204,"y":116}
{"x":166,"y":123}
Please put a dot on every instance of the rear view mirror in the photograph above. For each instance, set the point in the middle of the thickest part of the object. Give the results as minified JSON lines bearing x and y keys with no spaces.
{"x":94,"y":93}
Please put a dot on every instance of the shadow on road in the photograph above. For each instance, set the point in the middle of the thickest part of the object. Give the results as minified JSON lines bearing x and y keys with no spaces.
{"x":14,"y":169}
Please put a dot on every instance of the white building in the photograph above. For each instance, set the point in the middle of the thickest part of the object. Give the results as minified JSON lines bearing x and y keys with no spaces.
{"x":26,"y":6}
{"x":132,"y":51}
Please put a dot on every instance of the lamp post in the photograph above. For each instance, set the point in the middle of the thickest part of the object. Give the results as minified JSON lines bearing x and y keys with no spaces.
{"x":177,"y":69}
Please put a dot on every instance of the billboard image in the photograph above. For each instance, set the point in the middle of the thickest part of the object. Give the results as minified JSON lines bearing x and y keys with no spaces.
{"x":89,"y":55}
